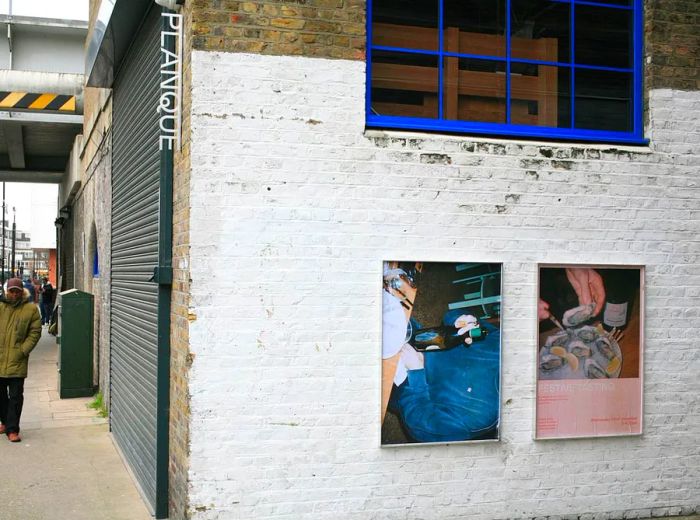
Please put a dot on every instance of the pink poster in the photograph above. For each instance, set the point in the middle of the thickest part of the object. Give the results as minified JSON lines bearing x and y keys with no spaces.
{"x":589,"y":356}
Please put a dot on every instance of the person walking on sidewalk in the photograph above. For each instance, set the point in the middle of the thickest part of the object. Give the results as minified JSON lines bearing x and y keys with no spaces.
{"x":20,"y":330}
{"x":29,"y":286}
{"x":46,"y":294}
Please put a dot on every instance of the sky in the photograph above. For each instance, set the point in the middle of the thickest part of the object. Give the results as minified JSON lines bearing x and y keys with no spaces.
{"x":36,"y":204}
{"x":65,"y":9}
{"x":35,"y":210}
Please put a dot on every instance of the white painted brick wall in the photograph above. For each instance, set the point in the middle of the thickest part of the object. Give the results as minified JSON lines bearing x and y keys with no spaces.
{"x":293,"y":208}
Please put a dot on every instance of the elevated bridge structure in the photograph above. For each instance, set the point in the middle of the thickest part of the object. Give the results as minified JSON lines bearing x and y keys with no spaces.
{"x":41,"y":96}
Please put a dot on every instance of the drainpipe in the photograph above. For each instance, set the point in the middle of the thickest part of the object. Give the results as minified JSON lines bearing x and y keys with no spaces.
{"x":4,"y":232}
{"x":14,"y":237}
{"x":163,"y":276}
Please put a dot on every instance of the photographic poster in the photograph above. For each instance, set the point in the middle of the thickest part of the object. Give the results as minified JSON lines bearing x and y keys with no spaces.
{"x":441,"y":352}
{"x":589,"y":355}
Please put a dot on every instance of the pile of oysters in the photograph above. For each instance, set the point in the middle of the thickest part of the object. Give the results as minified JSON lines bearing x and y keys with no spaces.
{"x":580,"y":351}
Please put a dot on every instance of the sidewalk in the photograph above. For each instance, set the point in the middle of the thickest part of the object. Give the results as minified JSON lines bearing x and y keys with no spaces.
{"x":66,"y":465}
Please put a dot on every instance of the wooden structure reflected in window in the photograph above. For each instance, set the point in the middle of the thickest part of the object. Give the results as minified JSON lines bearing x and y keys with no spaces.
{"x":474,"y":89}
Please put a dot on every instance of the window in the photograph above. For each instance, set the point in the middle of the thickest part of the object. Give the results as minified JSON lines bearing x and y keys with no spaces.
{"x":95,"y":264}
{"x":94,"y":255}
{"x":568,"y":69}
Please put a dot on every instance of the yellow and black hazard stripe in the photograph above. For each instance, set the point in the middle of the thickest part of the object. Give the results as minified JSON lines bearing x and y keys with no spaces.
{"x":29,"y":101}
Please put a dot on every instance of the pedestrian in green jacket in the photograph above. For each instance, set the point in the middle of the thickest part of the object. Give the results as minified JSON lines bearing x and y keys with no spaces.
{"x":20,"y":330}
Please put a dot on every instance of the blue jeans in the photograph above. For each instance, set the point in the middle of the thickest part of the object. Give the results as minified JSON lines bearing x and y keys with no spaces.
{"x":456,"y":397}
{"x":46,"y":308}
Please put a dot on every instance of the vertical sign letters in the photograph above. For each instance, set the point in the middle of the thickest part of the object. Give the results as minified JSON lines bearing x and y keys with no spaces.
{"x":169,"y":105}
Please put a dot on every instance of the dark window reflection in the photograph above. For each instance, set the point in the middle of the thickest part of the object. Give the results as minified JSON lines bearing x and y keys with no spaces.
{"x":540,"y":95}
{"x":404,"y":84}
{"x":603,"y":36}
{"x":615,"y":2}
{"x":474,"y":90}
{"x":603,"y":100}
{"x":475,"y":27}
{"x":411,"y":24}
{"x":540,"y":30}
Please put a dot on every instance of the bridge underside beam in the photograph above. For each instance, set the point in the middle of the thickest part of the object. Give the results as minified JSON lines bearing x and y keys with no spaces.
{"x":15,"y":143}
{"x":39,"y":117}
{"x":46,"y":177}
{"x":44,"y":82}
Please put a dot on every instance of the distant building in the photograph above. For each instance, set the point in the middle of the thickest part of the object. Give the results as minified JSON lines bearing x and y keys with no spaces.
{"x":24,"y":254}
{"x":40,"y":261}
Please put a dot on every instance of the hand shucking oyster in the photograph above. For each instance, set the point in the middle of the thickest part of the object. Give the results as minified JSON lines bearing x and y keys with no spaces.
{"x":578,"y":315}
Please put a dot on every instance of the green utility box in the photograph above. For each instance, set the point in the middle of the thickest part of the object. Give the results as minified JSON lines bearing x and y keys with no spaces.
{"x":75,"y":311}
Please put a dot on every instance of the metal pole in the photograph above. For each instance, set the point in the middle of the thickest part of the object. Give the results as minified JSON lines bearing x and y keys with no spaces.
{"x":59,"y":246}
{"x":14,"y":236}
{"x":4,"y":232}
{"x":9,"y":36}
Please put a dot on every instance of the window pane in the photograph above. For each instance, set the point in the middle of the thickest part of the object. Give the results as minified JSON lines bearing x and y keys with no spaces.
{"x":614,"y":2}
{"x":540,"y":30}
{"x":475,"y":27}
{"x":474,"y":90}
{"x":404,"y":84}
{"x":603,"y":100}
{"x":603,"y":36}
{"x":412,"y":24}
{"x":540,"y":95}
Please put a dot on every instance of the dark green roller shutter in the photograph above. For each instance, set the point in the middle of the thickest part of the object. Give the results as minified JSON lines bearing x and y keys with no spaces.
{"x":135,"y":209}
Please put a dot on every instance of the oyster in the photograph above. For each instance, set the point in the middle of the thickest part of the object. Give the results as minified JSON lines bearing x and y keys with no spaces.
{"x":578,"y":315}
{"x":587,"y":334}
{"x":594,"y":370}
{"x":605,"y":348}
{"x":549,"y":362}
{"x":560,"y":339}
{"x":579,"y":349}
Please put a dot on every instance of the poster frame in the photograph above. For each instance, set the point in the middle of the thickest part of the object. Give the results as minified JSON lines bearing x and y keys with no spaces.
{"x":380,"y":278}
{"x":535,"y":373}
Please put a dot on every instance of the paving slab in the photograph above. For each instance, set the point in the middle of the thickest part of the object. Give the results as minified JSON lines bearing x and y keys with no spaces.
{"x":66,"y":465}
{"x":69,"y":472}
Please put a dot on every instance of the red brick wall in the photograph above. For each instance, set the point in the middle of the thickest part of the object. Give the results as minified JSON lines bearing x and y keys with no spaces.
{"x":322,"y":28}
{"x":673,"y":44}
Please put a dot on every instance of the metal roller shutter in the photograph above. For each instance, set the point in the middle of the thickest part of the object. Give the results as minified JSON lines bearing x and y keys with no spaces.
{"x":135,"y":193}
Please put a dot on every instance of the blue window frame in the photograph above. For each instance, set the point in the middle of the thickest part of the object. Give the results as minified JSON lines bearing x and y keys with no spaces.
{"x":555,"y":69}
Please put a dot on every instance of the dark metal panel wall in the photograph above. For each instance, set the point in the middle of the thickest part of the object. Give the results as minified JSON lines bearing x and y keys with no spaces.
{"x":69,"y":255}
{"x":135,"y":192}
